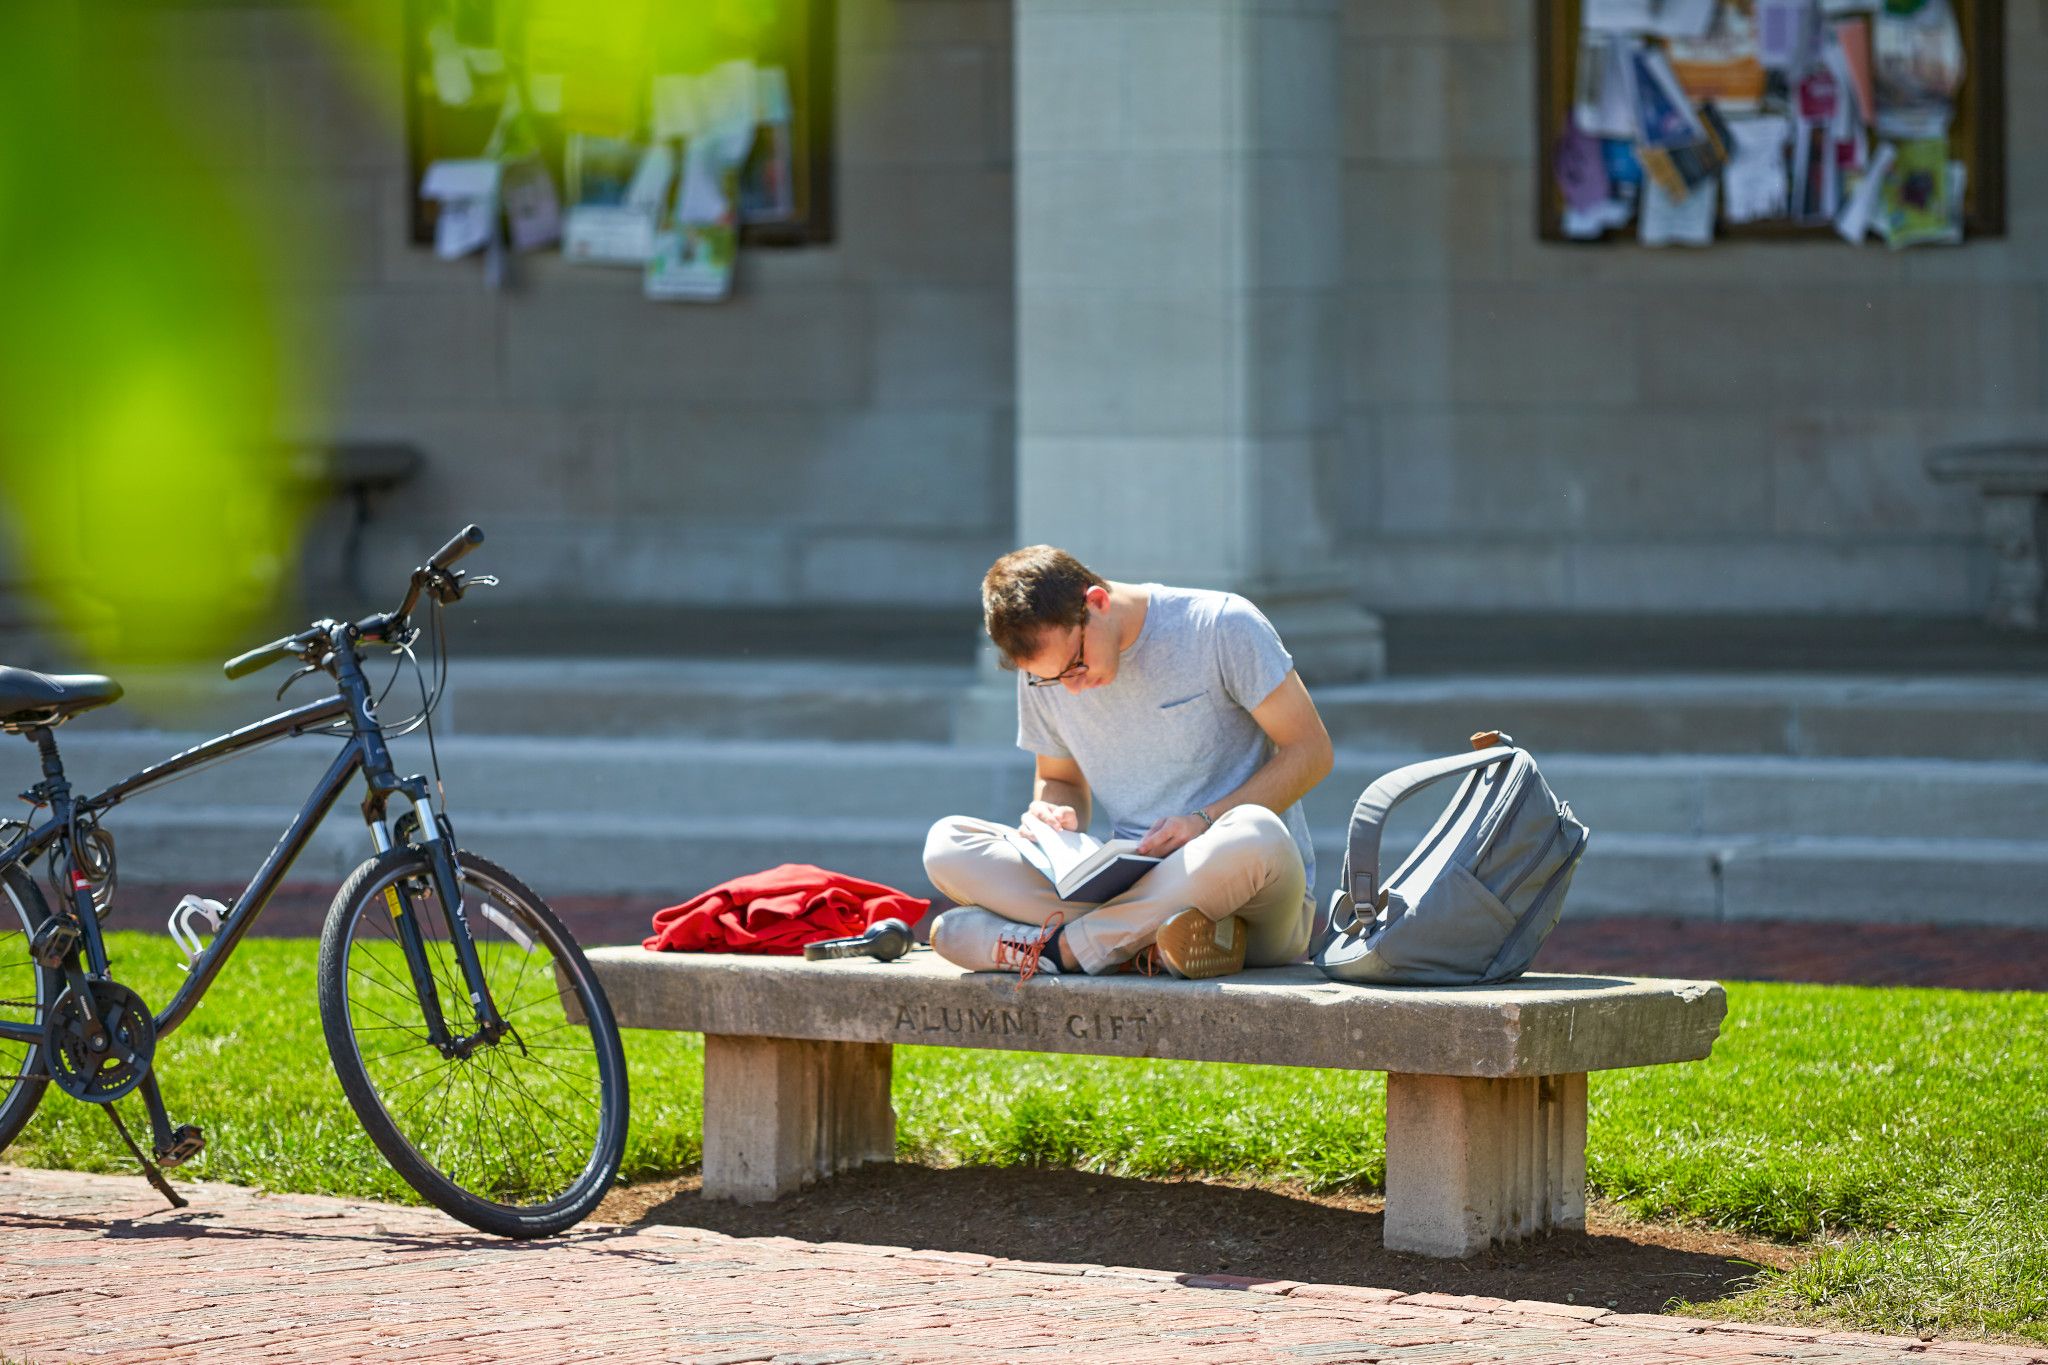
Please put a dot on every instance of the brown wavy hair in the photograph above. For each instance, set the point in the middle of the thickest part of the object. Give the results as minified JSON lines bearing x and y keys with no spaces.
{"x":1030,"y":590}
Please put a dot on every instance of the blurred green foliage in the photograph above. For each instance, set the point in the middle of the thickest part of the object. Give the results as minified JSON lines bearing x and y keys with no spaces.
{"x":145,"y":359}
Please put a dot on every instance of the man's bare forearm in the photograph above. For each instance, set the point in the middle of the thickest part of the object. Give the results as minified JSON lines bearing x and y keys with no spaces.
{"x":1063,"y":794}
{"x":1285,"y":778}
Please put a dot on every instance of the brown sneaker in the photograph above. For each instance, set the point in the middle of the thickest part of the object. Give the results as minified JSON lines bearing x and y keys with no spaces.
{"x":1195,"y":947}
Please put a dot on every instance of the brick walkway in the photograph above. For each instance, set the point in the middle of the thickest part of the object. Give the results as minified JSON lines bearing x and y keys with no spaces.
{"x":97,"y":1268}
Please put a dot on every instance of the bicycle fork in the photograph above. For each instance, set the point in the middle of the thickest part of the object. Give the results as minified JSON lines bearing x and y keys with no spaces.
{"x":400,"y":903}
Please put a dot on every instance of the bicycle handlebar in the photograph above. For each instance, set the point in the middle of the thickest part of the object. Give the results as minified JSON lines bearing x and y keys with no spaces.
{"x":465,"y":540}
{"x":261,"y":657}
{"x":436,"y":567}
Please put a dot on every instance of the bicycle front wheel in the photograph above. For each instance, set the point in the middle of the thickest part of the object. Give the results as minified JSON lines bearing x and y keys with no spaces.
{"x":520,"y":1137}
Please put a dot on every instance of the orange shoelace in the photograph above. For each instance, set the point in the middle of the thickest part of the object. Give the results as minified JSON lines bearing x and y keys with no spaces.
{"x":1023,"y":954}
{"x":1145,"y":963}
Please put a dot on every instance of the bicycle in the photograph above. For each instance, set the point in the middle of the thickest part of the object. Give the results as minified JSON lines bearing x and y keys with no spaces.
{"x":469,"y":1034}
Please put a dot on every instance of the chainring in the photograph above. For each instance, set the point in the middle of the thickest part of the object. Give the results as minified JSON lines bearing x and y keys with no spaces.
{"x":99,"y":1064}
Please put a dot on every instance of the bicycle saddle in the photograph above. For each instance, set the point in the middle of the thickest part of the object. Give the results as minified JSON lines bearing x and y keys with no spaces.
{"x":27,"y":695}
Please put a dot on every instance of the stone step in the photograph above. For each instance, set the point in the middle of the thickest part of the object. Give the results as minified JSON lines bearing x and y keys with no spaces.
{"x":1988,"y":718}
{"x":1849,"y":880}
{"x":704,"y":698}
{"x":688,"y":780}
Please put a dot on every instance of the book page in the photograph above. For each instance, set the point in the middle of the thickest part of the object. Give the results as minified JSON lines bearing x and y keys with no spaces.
{"x":1064,"y":849}
{"x":1054,"y":852}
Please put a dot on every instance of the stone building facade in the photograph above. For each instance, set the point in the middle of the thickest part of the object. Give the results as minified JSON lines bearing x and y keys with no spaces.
{"x":1327,"y":209}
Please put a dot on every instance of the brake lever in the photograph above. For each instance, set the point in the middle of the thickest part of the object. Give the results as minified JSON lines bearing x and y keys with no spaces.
{"x":449,"y":586}
{"x":297,"y":674}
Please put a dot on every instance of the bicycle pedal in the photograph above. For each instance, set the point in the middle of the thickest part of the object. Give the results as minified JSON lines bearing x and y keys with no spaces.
{"x":187,"y":1141}
{"x":54,"y":942}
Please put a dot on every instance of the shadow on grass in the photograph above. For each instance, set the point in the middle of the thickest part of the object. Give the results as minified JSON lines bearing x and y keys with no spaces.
{"x":1195,"y":1227}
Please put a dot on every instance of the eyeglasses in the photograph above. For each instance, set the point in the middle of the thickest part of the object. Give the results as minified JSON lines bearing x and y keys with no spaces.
{"x":1079,"y":665}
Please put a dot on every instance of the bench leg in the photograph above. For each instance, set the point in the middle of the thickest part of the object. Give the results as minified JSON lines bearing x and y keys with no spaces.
{"x":781,"y":1113}
{"x":1471,"y":1162}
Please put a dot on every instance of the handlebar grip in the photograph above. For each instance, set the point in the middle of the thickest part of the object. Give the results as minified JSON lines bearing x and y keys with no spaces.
{"x":257,"y":659}
{"x":467,"y":539}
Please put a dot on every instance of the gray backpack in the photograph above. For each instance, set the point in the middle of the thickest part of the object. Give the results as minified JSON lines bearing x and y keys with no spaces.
{"x":1479,"y":894}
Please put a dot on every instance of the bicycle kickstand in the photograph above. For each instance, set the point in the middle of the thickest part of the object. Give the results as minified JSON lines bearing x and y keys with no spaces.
{"x":174,"y":1146}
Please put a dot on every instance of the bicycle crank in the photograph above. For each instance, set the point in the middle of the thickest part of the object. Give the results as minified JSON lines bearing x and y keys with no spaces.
{"x":101,"y":1057}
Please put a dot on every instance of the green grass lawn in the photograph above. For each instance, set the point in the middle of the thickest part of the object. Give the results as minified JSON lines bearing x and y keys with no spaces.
{"x":1903,"y":1132}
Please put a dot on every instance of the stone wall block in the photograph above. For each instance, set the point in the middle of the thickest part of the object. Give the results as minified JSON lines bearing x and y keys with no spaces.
{"x":1348,"y":477}
{"x":1294,"y":105}
{"x":945,"y":349}
{"x":882,"y":569}
{"x":1491,"y":346}
{"x":1425,"y":102}
{"x":886,"y":24}
{"x":490,"y":464}
{"x":410,"y":352}
{"x":1407,"y":224}
{"x":1560,"y":471}
{"x":1101,"y":498}
{"x":1926,"y":348}
{"x":812,"y":469}
{"x":915,"y":106}
{"x":1299,"y":398}
{"x":1154,"y":365}
{"x":935,"y":225}
{"x":614,"y":348}
{"x":1849,"y":471}
{"x":1460,"y":572}
{"x":1078,"y":96}
{"x":1485,"y":21}
{"x":1187,"y":93}
{"x":1297,"y":237}
{"x":1762,"y":574}
{"x":1292,"y":532}
{"x":1156,"y":221}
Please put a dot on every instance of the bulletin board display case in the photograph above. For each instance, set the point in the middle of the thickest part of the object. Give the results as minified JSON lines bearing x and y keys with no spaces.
{"x":455,"y":95}
{"x":1975,"y":131}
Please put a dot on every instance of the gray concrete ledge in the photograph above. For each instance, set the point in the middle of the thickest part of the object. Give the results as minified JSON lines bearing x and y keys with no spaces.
{"x":1289,"y":1016}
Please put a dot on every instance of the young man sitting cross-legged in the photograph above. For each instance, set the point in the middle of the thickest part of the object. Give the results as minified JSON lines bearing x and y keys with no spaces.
{"x":1181,"y":709}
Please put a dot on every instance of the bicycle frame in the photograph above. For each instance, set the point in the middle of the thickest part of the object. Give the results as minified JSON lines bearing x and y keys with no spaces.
{"x":364,"y":752}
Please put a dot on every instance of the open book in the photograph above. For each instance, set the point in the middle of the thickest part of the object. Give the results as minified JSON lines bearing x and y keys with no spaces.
{"x":1081,"y":867}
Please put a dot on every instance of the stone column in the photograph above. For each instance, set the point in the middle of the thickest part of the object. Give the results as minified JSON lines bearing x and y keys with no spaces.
{"x":1179,"y":257}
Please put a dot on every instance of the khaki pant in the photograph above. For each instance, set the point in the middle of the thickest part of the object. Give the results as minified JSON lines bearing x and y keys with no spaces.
{"x":1246,"y":865}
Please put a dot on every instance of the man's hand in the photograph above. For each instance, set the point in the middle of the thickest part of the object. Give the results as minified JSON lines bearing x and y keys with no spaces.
{"x":1169,"y":834}
{"x":1045,"y":812}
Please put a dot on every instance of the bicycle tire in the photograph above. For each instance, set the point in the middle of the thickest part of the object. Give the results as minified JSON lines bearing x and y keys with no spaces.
{"x":22,"y":912}
{"x":396,"y":1116}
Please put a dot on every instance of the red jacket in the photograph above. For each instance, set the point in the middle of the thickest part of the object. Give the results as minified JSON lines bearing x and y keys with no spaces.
{"x":779,"y":911}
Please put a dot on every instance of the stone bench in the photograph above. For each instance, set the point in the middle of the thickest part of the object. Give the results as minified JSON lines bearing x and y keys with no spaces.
{"x":1486,"y":1087}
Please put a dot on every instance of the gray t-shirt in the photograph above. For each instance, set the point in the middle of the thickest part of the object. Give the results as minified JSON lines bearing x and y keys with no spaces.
{"x":1175,"y":730}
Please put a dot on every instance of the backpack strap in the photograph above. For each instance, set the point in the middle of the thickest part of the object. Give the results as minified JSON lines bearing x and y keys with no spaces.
{"x":1369,"y":816}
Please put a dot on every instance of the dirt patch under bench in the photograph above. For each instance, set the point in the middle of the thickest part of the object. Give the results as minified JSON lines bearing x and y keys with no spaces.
{"x":1210,"y":1227}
